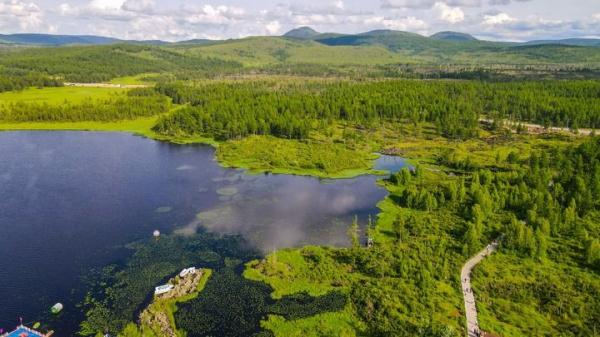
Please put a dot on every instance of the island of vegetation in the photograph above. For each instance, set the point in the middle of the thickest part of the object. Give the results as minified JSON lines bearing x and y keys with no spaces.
{"x":478,"y":173}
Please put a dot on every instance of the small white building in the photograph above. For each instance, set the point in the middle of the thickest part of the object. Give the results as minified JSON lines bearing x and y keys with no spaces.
{"x":187,"y":271}
{"x":163,"y":289}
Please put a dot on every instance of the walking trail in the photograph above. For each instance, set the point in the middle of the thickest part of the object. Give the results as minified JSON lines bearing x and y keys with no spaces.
{"x":465,"y":278}
{"x":105,"y":85}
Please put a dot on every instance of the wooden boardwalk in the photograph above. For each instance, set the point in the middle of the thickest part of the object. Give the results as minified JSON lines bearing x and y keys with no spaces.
{"x":465,"y":279}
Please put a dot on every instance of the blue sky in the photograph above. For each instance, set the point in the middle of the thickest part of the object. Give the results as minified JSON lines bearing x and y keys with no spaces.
{"x":173,"y":20}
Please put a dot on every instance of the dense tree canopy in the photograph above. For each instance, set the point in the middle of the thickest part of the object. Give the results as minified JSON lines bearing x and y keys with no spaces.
{"x":226,"y":110}
{"x":17,"y":80}
{"x":102,"y":63}
{"x":230,"y":110}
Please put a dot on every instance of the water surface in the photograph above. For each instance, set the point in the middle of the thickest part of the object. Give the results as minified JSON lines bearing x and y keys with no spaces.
{"x":70,"y":200}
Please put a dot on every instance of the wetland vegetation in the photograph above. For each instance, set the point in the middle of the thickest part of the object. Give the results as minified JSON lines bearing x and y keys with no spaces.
{"x":287,"y":106}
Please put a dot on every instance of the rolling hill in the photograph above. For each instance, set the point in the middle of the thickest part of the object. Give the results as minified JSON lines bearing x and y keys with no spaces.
{"x":453,"y":36}
{"x":395,"y":41}
{"x":302,"y":33}
{"x":62,"y":40}
{"x":567,"y":42}
{"x":56,"y":40}
{"x":303,"y":51}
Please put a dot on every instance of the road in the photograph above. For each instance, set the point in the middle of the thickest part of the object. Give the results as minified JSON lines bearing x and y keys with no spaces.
{"x":105,"y":85}
{"x":538,"y":129}
{"x":465,"y":279}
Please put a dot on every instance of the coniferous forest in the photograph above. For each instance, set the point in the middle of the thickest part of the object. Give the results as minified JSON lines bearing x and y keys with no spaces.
{"x":234,"y":110}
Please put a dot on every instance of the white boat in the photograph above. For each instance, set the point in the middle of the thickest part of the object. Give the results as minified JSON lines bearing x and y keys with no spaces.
{"x":58,"y":307}
{"x":187,"y":271}
{"x":163,"y":289}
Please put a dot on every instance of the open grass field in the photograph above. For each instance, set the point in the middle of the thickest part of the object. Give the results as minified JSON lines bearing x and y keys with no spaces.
{"x":57,"y":96}
{"x":140,"y":79}
{"x":141,"y":126}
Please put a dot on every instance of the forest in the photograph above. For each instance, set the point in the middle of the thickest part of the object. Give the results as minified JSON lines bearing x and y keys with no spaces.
{"x":92,"y":64}
{"x":233,"y":110}
{"x":17,"y":80}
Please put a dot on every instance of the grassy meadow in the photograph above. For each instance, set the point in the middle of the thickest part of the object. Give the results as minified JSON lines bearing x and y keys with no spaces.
{"x":59,"y":95}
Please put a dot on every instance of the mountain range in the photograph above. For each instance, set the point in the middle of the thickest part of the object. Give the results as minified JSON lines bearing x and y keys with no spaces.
{"x":394,"y":40}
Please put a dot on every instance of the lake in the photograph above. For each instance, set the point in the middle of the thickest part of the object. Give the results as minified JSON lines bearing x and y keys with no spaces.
{"x":71,"y":200}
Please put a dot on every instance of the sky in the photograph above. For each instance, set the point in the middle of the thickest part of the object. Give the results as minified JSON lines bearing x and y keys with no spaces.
{"x":176,"y":20}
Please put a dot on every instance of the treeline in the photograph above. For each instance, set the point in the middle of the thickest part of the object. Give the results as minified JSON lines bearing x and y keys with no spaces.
{"x":101,"y":63}
{"x":238,"y":109}
{"x":227,"y":110}
{"x":18,"y":80}
{"x":136,"y":103}
{"x":573,"y":104}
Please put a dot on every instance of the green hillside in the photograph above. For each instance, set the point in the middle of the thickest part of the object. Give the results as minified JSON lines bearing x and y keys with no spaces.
{"x":390,"y":47}
{"x":261,"y":51}
{"x":102,"y":63}
{"x":453,"y":36}
{"x":377,"y":53}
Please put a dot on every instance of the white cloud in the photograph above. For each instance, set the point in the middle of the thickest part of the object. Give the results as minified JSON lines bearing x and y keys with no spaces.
{"x":26,"y":16}
{"x":107,"y":4}
{"x":498,"y":19}
{"x":273,"y":27}
{"x":426,"y":4}
{"x":213,"y":15}
{"x":505,"y":2}
{"x":449,"y":14}
{"x":142,"y":6}
{"x":409,"y":23}
{"x":179,"y":19}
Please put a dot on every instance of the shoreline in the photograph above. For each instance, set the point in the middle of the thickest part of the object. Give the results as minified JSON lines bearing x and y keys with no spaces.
{"x":143,"y":127}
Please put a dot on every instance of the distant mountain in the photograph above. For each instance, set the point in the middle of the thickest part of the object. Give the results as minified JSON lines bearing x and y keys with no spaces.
{"x":391,"y":39}
{"x":305,"y":33}
{"x":447,"y":41}
{"x":62,"y":40}
{"x":55,"y":40}
{"x":196,"y":41}
{"x":453,"y":36}
{"x":567,"y":42}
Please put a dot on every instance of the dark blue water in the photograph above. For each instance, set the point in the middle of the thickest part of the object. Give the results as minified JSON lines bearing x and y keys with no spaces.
{"x":70,"y":200}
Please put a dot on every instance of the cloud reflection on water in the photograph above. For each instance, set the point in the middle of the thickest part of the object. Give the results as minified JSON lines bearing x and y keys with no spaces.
{"x":288,"y":211}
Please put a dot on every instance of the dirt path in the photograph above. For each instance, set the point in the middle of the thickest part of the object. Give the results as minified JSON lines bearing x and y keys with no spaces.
{"x":465,"y":278}
{"x":539,"y":129}
{"x":105,"y":85}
